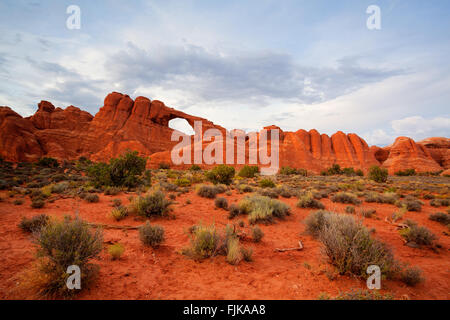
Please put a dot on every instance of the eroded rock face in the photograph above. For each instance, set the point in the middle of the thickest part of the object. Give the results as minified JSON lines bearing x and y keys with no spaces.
{"x":141,"y":124}
{"x":405,"y":153}
{"x":439,"y":148}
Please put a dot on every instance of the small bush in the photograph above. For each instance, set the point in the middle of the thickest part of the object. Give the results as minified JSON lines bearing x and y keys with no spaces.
{"x":440,"y":203}
{"x":410,"y":204}
{"x":247,"y":254}
{"x":368,"y":213}
{"x":48,"y":162}
{"x":164,"y":165}
{"x":183,"y":182}
{"x":18,"y":202}
{"x":257,"y":234}
{"x":92,"y":198}
{"x":316,"y":221}
{"x":151,"y":235}
{"x":116,"y":251}
{"x":308,"y":201}
{"x":344,"y":197}
{"x":205,"y":242}
{"x":37,"y":203}
{"x":406,"y":172}
{"x":119,"y":213}
{"x":233,"y":211}
{"x":443,"y":218}
{"x":70,"y":242}
{"x":417,"y":234}
{"x":411,"y":276}
{"x":248,"y":171}
{"x":363,"y":295}
{"x":263,"y":209}
{"x":221,"y":174}
{"x":378,"y":174}
{"x":153,"y":204}
{"x":266,"y":183}
{"x":221,"y":203}
{"x":112,"y":191}
{"x":35,"y":223}
{"x":207,"y":191}
{"x":195,"y":167}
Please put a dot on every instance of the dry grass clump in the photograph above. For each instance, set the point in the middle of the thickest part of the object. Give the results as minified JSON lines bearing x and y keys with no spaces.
{"x":410,"y":203}
{"x":368,"y":213}
{"x":234,"y":211}
{"x":411,"y":276}
{"x":440,"y":202}
{"x":91,"y":198}
{"x":363,"y":295}
{"x":263,"y":209}
{"x":151,"y":235}
{"x":417,"y":234}
{"x":152,"y":204}
{"x":348,"y":244}
{"x":35,"y":223}
{"x":387,"y":197}
{"x":266,"y":183}
{"x":345,"y":197}
{"x":119,"y":213}
{"x":116,"y":251}
{"x":307,"y":201}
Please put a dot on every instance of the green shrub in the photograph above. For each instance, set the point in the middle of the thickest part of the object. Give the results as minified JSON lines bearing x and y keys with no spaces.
{"x":116,"y":251}
{"x":221,"y":203}
{"x":257,"y":234}
{"x":48,"y":162}
{"x":344,"y":197}
{"x":290,"y":171}
{"x":334,"y":170}
{"x":35,"y":223}
{"x":153,"y":204}
{"x":349,"y":171}
{"x":378,"y":174}
{"x":417,"y":234}
{"x":62,"y":244}
{"x":266,"y":183}
{"x":248,"y":171}
{"x":151,"y":235}
{"x":221,"y":174}
{"x":359,"y":173}
{"x":195,"y":167}
{"x":307,"y":201}
{"x":183,"y":182}
{"x":406,"y":172}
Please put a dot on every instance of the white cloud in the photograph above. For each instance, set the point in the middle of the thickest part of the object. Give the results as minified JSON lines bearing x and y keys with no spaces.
{"x":421,"y":128}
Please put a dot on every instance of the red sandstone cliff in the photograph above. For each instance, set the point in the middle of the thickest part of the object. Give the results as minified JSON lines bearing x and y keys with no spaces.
{"x":123,"y":123}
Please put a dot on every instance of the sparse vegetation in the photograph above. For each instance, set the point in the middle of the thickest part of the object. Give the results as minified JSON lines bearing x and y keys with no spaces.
{"x":248,"y":171}
{"x":378,"y":174}
{"x":221,"y":203}
{"x":116,"y":251}
{"x":150,"y":205}
{"x":221,"y":174}
{"x":307,"y":201}
{"x":345,"y":197}
{"x":151,"y":235}
{"x":35,"y":223}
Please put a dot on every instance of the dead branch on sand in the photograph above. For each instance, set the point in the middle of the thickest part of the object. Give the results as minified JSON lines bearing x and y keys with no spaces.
{"x":300,"y":247}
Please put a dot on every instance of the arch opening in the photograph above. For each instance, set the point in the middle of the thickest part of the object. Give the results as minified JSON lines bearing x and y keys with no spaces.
{"x":181,"y":125}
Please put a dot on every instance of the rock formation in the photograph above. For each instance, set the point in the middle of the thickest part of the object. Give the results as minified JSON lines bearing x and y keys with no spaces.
{"x":141,"y":124}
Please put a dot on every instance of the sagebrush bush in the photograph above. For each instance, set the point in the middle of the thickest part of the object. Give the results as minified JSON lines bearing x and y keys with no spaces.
{"x":350,"y":209}
{"x":417,"y":234}
{"x":440,"y":202}
{"x":207,"y":191}
{"x":37,"y":203}
{"x":345,"y":197}
{"x":92,"y":198}
{"x":307,"y":201}
{"x":247,"y":254}
{"x":257,"y":234}
{"x":233,"y":211}
{"x":410,"y":204}
{"x":248,"y":171}
{"x":368,"y":213}
{"x":443,"y":218}
{"x":151,"y":235}
{"x":221,"y":203}
{"x":266,"y":183}
{"x":234,"y":253}
{"x":348,"y":244}
{"x":388,"y":197}
{"x":221,"y":174}
{"x":406,"y":172}
{"x":411,"y":276}
{"x":112,"y":191}
{"x":263,"y":209}
{"x":152,"y":204}
{"x":35,"y":223}
{"x":116,"y":251}
{"x":378,"y":174}
{"x":48,"y":162}
{"x":62,"y":244}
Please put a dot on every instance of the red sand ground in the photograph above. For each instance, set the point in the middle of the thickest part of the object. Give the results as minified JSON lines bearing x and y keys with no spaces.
{"x":145,"y":273}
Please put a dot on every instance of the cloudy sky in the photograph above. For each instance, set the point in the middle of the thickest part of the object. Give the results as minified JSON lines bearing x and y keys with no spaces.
{"x":241,"y":64}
